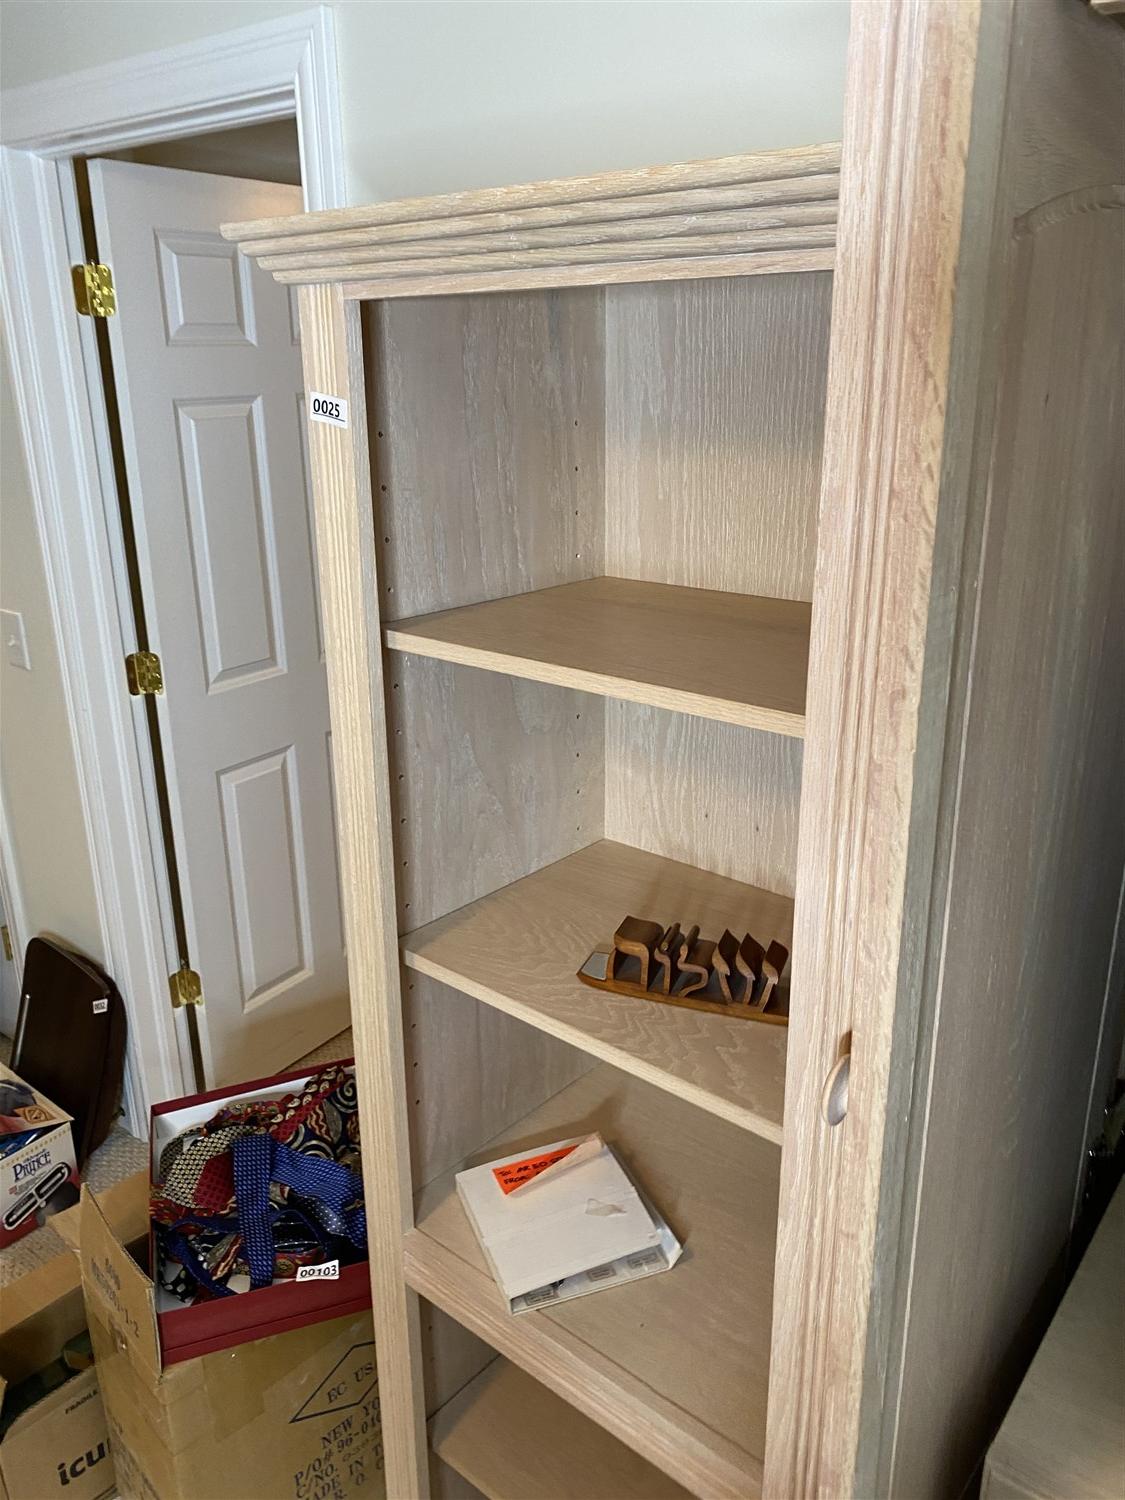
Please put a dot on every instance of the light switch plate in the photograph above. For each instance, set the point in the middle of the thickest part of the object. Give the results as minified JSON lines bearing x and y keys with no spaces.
{"x":15,"y":639}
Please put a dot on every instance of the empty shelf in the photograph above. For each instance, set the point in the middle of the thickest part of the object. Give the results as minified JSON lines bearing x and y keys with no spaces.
{"x":732,"y":657}
{"x":515,"y":1440}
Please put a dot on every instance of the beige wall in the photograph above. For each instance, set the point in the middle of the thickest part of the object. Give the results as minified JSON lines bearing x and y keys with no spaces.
{"x":434,"y":97}
{"x":36,"y":757}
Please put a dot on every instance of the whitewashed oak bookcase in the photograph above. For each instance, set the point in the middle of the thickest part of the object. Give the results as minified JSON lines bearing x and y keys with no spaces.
{"x":738,"y":542}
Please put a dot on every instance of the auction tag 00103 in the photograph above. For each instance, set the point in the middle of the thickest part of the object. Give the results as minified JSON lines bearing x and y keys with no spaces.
{"x":330,"y":409}
{"x":328,"y":1270}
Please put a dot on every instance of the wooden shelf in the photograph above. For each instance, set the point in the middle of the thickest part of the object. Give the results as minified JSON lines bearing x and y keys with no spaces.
{"x":731,"y":657}
{"x":513,"y":1439}
{"x":519,"y":948}
{"x":676,"y":1365}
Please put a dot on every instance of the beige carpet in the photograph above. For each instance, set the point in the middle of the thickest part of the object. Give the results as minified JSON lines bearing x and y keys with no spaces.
{"x":120,"y":1156}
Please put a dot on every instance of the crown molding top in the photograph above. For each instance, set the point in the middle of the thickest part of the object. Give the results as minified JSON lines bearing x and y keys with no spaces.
{"x":735,"y":215}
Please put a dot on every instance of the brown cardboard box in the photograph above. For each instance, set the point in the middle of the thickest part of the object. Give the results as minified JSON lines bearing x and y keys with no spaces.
{"x":291,"y":1417}
{"x":38,"y":1175}
{"x":60,"y":1443}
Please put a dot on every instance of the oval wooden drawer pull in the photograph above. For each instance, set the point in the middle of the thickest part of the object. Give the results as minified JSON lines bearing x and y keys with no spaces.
{"x":834,"y":1099}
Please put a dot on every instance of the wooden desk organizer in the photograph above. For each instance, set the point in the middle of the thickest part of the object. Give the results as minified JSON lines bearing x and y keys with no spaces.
{"x":677,"y":967}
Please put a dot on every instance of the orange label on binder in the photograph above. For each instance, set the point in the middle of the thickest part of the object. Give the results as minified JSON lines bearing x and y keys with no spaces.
{"x":515,"y":1173}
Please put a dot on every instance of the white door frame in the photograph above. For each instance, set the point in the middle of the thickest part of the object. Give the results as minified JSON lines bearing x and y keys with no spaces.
{"x":11,"y":892}
{"x":276,"y":70}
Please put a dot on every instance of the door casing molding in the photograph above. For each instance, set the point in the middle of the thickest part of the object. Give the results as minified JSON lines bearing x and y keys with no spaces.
{"x":11,"y":892}
{"x":277,"y":70}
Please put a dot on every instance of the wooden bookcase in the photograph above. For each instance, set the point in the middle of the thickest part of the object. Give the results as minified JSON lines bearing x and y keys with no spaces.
{"x":738,"y":542}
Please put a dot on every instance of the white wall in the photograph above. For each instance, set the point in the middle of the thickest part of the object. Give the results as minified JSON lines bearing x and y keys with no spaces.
{"x":439,"y":97}
{"x":443,"y":96}
{"x":434,"y":97}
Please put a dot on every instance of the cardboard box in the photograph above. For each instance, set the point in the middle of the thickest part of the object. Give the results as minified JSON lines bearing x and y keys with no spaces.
{"x":38,"y":1176}
{"x":187,"y":1331}
{"x":294,"y":1416}
{"x":61,"y":1442}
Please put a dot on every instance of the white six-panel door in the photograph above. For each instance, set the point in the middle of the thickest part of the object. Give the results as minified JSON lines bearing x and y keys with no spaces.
{"x":208,"y":373}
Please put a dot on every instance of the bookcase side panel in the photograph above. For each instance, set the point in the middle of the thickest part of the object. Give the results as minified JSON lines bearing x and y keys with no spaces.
{"x":471,"y":1071}
{"x":1027,"y":958}
{"x":487,"y":444}
{"x":492,"y":777}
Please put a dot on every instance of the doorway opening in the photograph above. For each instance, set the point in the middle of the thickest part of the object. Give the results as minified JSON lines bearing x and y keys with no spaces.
{"x":78,"y":161}
{"x":203,"y":392}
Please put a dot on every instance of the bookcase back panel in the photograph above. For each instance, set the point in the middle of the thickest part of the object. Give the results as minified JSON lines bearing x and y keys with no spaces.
{"x":487,"y":427}
{"x":714,"y":795}
{"x":714,"y":416}
{"x":471,"y":1071}
{"x":491,"y":777}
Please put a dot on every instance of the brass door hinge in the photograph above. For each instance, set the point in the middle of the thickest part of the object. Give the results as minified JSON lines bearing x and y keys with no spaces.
{"x":144,"y":673}
{"x":186,"y":987}
{"x":6,"y":938}
{"x":94,"y":294}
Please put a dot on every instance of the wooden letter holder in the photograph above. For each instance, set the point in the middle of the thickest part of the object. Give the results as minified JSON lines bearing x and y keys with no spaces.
{"x":676,"y":967}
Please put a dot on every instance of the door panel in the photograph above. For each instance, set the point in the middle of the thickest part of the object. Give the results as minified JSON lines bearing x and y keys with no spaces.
{"x":207,"y":364}
{"x":268,"y":875}
{"x":233,"y":542}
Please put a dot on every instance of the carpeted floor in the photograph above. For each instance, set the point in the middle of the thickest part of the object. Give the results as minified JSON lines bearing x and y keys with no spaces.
{"x":120,"y":1156}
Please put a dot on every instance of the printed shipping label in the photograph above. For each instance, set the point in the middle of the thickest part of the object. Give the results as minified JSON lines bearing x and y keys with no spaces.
{"x":330,"y":409}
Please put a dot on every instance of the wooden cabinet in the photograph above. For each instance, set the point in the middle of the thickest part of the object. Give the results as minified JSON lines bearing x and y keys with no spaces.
{"x":738,"y":542}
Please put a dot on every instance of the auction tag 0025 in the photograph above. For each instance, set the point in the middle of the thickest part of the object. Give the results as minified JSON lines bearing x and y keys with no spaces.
{"x":330,"y":409}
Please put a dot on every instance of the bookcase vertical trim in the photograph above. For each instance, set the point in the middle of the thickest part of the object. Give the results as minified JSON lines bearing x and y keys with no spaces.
{"x":911,"y":70}
{"x":332,"y":350}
